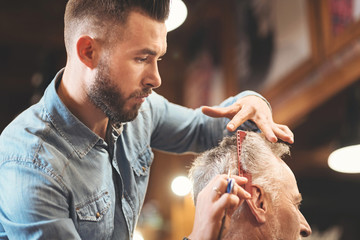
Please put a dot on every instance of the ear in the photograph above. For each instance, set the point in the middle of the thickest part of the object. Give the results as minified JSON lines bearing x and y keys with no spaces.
{"x":258,"y":203}
{"x":87,"y":51}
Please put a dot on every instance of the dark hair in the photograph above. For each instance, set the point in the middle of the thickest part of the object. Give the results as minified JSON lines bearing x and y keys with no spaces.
{"x":116,"y":10}
{"x":109,"y":11}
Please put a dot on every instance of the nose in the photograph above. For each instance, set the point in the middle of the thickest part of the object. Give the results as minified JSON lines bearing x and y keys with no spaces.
{"x":305,"y":229}
{"x":152,"y":78}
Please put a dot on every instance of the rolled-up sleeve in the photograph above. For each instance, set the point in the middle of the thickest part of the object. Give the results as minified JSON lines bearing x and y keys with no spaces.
{"x":179,"y":129}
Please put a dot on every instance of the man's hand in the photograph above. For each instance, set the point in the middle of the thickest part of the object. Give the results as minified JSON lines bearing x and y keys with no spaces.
{"x":211,"y":204}
{"x":256,"y":109}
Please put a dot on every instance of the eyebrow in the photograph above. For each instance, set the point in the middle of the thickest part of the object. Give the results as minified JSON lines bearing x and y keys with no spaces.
{"x":149,"y":52}
{"x":298,"y":198}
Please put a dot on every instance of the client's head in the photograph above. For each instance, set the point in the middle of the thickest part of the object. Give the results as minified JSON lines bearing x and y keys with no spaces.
{"x":273,"y":210}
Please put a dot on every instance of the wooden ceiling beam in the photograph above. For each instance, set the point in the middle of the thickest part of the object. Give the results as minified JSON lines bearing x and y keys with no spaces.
{"x":295,"y":102}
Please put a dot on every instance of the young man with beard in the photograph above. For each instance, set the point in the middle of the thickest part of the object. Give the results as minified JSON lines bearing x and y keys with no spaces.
{"x":272,"y":211}
{"x":76,"y":164}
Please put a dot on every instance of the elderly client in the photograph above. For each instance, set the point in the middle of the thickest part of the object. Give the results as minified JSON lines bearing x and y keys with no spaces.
{"x":272,"y":212}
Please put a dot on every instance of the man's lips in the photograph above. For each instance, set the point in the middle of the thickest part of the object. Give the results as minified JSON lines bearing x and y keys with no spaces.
{"x":141,"y":98}
{"x":141,"y":95}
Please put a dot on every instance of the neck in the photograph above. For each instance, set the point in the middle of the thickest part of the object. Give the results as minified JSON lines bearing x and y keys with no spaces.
{"x":72,"y":92}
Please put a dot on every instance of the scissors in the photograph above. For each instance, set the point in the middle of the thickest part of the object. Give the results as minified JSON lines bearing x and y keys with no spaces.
{"x":240,"y":136}
{"x":229,"y":189}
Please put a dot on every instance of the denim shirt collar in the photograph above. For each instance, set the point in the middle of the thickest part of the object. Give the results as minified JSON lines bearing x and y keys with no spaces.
{"x":79,"y":136}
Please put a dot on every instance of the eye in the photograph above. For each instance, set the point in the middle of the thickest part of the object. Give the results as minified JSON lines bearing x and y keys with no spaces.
{"x":141,"y":59}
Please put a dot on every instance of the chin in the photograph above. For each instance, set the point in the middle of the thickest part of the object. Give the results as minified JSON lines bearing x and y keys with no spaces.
{"x":123,"y":116}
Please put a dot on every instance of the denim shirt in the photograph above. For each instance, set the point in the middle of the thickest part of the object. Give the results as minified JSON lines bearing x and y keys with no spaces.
{"x":59,"y":180}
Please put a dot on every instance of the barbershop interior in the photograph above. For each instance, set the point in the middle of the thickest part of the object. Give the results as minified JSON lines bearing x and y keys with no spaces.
{"x":303,"y":56}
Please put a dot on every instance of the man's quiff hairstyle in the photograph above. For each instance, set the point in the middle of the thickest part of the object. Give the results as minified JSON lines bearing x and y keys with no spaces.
{"x":255,"y":159}
{"x":105,"y":15}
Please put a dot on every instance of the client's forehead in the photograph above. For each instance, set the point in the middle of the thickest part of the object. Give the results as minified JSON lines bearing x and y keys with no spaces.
{"x":289,"y":184}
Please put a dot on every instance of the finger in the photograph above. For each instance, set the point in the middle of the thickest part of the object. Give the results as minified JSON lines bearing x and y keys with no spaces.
{"x":218,"y":185}
{"x":239,"y":118}
{"x":223,"y":202}
{"x":217,"y":192}
{"x":218,"y":111}
{"x":266,"y":127}
{"x":230,"y":211}
{"x":241,"y":192}
{"x":227,"y":201}
{"x":220,"y":182}
{"x":236,"y":189}
{"x":240,"y":180}
{"x":284,"y":133}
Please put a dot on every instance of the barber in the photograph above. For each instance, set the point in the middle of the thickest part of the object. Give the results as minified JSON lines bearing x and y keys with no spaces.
{"x":76,"y":165}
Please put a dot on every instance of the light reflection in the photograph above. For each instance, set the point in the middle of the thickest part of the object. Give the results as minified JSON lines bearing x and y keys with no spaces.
{"x":138,"y":235}
{"x":181,"y":186}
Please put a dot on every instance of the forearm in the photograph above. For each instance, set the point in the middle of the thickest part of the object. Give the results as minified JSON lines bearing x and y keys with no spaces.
{"x":181,"y":129}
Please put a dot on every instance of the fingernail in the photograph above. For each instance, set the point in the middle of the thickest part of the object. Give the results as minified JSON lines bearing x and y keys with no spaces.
{"x":231,"y":126}
{"x":244,"y":178}
{"x":248,"y":194}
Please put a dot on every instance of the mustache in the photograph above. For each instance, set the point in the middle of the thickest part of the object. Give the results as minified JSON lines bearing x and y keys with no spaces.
{"x":141,"y":93}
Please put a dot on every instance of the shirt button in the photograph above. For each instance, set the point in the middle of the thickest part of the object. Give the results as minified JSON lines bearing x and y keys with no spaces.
{"x":144,"y":169}
{"x":97,"y":215}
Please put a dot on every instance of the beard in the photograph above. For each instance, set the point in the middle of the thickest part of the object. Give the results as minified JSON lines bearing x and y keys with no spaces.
{"x":106,"y":96}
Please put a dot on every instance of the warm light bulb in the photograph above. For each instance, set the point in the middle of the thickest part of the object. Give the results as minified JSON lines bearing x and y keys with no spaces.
{"x":346,"y":159}
{"x":177,"y":14}
{"x":181,"y":186}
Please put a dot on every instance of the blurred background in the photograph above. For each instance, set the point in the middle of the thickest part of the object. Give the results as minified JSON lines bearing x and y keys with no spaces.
{"x":302,"y":55}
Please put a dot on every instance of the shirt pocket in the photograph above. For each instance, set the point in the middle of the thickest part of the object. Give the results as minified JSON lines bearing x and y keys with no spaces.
{"x":141,"y":165}
{"x":141,"y":170}
{"x":94,"y":216}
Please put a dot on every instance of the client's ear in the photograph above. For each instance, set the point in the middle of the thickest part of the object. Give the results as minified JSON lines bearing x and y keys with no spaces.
{"x":258,"y":203}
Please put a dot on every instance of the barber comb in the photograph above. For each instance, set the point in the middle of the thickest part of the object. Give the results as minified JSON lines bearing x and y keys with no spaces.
{"x":240,"y":136}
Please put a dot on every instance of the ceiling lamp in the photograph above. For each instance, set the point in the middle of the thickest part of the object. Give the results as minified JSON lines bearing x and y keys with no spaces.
{"x":346,"y":159}
{"x":177,"y":14}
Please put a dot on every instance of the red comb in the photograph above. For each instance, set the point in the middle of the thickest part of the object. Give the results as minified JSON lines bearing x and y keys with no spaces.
{"x":240,"y":136}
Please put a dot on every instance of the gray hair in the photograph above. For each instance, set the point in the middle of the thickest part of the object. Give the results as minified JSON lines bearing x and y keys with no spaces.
{"x":256,"y":153}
